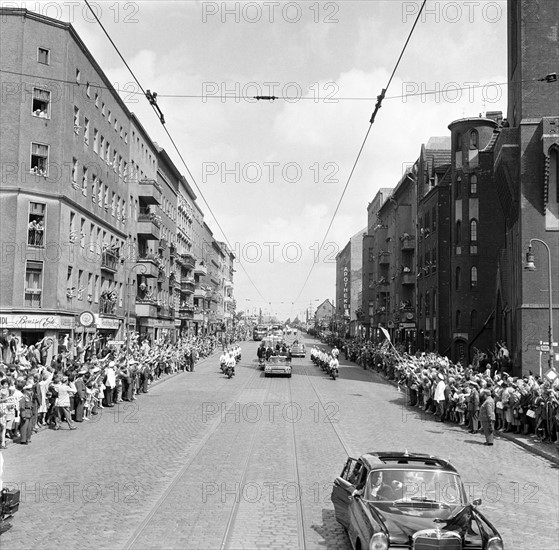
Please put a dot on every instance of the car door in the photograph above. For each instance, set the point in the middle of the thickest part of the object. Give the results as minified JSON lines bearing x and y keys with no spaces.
{"x":343,"y":489}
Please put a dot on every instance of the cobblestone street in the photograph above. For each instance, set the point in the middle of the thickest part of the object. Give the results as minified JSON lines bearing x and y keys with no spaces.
{"x":202,"y":461}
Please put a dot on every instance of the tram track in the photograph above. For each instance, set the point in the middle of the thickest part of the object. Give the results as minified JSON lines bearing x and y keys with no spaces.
{"x":195,"y":454}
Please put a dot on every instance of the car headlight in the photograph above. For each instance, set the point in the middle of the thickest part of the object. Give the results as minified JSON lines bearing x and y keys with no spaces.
{"x":379,"y":541}
{"x":495,"y":543}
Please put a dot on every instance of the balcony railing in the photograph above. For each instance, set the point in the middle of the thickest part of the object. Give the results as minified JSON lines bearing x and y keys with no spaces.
{"x":384,"y":257}
{"x":33,"y":298}
{"x":188,"y":261}
{"x":35,"y":237}
{"x":109,"y":261}
{"x":106,"y":306}
{"x":145,"y":215}
{"x":149,"y":191}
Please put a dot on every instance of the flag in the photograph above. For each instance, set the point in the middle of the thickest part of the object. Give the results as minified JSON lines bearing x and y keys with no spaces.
{"x":385,"y":332}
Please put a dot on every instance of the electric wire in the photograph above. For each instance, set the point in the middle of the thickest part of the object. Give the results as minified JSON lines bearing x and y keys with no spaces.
{"x":371,"y":122}
{"x":159,"y":115}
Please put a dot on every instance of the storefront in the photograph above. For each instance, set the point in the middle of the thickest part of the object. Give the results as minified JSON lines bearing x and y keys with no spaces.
{"x":157,"y":329}
{"x":30,"y":328}
{"x":107,"y":329}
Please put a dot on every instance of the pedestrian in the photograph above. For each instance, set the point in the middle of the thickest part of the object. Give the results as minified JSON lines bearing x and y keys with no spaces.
{"x":26,"y":414}
{"x":487,"y":415}
{"x":473,"y":407}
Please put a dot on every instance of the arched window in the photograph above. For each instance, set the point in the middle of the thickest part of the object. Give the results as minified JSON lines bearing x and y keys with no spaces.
{"x":458,"y":318}
{"x":458,"y":235}
{"x":458,"y":187}
{"x":457,"y":277}
{"x":474,"y":139}
{"x":473,"y":318}
{"x":473,"y":184}
{"x":473,"y":231}
{"x":473,"y":277}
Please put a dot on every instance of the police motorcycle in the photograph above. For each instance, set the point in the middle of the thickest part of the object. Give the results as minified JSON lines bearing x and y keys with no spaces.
{"x":230,"y":363}
{"x":333,"y":368}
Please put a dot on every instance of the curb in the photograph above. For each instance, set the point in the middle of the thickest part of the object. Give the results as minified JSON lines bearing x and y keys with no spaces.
{"x":526,"y":446}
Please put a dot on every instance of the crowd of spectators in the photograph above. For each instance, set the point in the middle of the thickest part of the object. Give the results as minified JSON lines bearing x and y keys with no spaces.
{"x":455,"y":393}
{"x":71,"y":387}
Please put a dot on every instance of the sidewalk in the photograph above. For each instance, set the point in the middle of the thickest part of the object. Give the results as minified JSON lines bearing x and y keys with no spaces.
{"x":549,"y":451}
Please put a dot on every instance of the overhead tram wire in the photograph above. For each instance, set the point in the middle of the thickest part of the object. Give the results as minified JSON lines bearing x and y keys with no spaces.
{"x":551,"y":77}
{"x":152,"y":98}
{"x":371,"y":122}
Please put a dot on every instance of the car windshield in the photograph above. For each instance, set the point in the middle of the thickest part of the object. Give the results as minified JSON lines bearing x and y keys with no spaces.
{"x":277,"y":359}
{"x":414,"y":486}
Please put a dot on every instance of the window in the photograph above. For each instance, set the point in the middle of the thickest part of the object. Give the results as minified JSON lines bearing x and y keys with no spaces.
{"x":474,"y":139}
{"x":458,"y":141}
{"x":458,"y":318}
{"x":103,"y":108}
{"x":473,"y":237}
{"x":75,"y":172}
{"x":427,"y":304}
{"x":82,"y":233}
{"x":80,"y":283}
{"x":94,"y":189}
{"x":458,"y":187}
{"x":473,"y":318}
{"x":86,"y":131}
{"x":109,"y":116}
{"x":43,"y":56}
{"x":97,"y":101}
{"x":97,"y":288}
{"x":36,"y":224}
{"x":84,"y":181}
{"x":102,"y":148}
{"x":125,"y":137}
{"x":40,"y":106}
{"x":95,"y":141}
{"x":69,"y":280}
{"x":76,"y":120}
{"x":72,"y":236}
{"x":108,"y":152}
{"x":458,"y":233}
{"x":115,"y":160}
{"x":88,"y":90}
{"x":33,"y":284}
{"x":39,"y":159}
{"x":473,"y":277}
{"x":457,"y":278}
{"x":473,"y":184}
{"x":116,"y":125}
{"x":90,"y":287}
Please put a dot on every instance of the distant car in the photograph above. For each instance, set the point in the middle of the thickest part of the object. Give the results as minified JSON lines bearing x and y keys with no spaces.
{"x":278,"y":364}
{"x":414,"y":501}
{"x":298,"y":350}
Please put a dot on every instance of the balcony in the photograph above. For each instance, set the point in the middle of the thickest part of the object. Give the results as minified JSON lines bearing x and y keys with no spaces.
{"x":188,"y":286}
{"x":172,"y":250}
{"x":109,"y":261}
{"x":151,"y":265}
{"x":384,"y":257}
{"x":161,"y":277}
{"x":408,"y":279}
{"x":146,"y":307}
{"x":200,"y":269}
{"x":172,"y":280}
{"x":200,"y":293}
{"x":163,"y":244}
{"x":186,"y":311}
{"x":188,"y":261}
{"x":149,"y":192}
{"x":407,"y":243}
{"x":166,"y":311}
{"x":107,"y":306}
{"x":35,"y":237}
{"x":149,"y":226}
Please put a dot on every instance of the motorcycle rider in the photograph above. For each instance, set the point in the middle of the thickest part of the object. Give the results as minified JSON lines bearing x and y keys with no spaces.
{"x":223,"y":359}
{"x":230,"y":362}
{"x":334,"y":365}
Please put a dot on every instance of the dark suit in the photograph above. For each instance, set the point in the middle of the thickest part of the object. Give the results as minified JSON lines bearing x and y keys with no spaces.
{"x":26,"y":417}
{"x":79,"y":398}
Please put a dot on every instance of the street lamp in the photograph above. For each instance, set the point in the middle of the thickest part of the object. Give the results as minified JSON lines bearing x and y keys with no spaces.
{"x":531,"y":266}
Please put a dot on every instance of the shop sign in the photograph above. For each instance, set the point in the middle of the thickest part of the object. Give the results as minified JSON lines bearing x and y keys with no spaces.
{"x":158,"y":323}
{"x":86,"y":318}
{"x":37,"y":322}
{"x":105,"y":323}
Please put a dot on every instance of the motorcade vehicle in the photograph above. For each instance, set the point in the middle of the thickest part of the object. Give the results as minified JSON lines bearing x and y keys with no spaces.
{"x":259,"y":332}
{"x":298,"y":349}
{"x":9,"y":505}
{"x":278,"y":364}
{"x":397,"y":500}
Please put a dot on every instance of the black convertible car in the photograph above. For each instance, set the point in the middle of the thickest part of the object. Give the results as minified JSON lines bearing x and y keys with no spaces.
{"x":405,"y":500}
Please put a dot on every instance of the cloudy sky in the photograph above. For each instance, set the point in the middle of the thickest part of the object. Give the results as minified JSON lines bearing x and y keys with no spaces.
{"x":273,"y":172}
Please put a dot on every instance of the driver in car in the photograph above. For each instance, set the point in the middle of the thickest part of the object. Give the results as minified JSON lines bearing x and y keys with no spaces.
{"x":378,"y":490}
